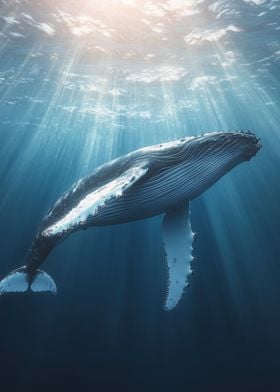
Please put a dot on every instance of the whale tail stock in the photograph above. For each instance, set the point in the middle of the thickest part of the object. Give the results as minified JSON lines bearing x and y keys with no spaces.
{"x":21,"y":280}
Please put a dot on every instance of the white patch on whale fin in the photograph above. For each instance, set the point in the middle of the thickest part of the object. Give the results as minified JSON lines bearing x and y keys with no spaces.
{"x":43,"y":282}
{"x":177,"y":238}
{"x":15,"y":282}
{"x":94,"y":201}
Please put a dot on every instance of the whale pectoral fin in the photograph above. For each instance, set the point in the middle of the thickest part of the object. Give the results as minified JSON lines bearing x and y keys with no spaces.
{"x":115,"y":188}
{"x":133,"y":175}
{"x":94,"y":202}
{"x":177,"y":238}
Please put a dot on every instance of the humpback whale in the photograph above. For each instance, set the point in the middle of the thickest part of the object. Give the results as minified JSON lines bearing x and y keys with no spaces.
{"x":159,"y":179}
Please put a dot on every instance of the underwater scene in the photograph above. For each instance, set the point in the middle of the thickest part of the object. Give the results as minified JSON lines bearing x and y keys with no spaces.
{"x":83,"y":83}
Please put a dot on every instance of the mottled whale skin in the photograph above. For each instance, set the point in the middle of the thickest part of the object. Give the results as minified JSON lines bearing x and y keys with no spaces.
{"x":159,"y":179}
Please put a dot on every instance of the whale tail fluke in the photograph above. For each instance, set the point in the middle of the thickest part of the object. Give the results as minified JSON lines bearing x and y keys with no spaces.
{"x":21,"y":280}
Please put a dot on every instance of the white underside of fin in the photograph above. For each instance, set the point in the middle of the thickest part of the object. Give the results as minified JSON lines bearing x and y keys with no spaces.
{"x":16,"y":282}
{"x":178,"y":238}
{"x":90,"y":205}
{"x":42,"y":282}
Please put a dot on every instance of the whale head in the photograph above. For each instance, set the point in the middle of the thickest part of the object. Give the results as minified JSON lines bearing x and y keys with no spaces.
{"x":210,"y":156}
{"x":236,"y":145}
{"x":191,"y":165}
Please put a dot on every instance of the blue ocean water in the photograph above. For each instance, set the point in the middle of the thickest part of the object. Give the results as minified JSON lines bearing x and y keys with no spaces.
{"x":82,"y":82}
